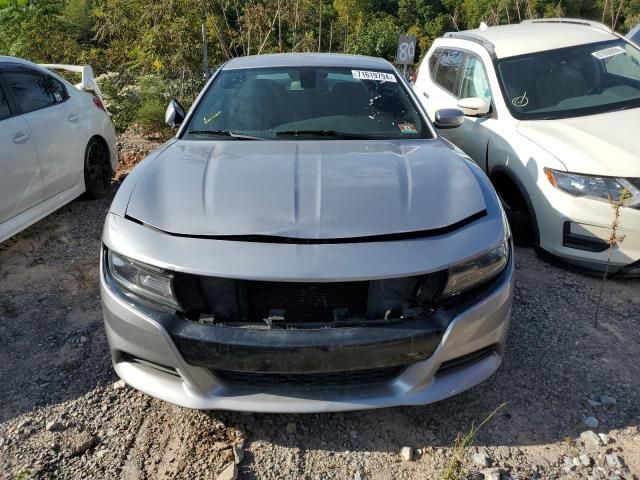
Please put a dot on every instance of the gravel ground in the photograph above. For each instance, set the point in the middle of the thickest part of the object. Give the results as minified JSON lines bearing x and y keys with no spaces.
{"x":573,"y":390}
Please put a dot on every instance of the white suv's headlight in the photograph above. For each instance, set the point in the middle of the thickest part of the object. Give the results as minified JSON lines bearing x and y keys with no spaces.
{"x":141,"y":280}
{"x":478,"y":271}
{"x":599,"y":188}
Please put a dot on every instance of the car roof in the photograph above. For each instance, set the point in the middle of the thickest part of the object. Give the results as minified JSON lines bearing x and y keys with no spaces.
{"x":538,"y":35}
{"x":307,"y":60}
{"x":18,"y":60}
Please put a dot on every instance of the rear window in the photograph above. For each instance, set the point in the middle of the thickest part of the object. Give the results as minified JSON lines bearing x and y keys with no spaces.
{"x":309,"y":102}
{"x":33,"y":89}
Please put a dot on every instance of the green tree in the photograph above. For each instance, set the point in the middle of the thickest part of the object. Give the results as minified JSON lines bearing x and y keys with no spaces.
{"x":37,"y":30}
{"x":378,"y":37}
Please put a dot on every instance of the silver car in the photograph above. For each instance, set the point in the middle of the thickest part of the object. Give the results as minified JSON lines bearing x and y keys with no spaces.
{"x":306,"y":242}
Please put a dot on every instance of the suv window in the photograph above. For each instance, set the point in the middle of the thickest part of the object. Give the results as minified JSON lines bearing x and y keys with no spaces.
{"x":433,"y":62}
{"x":474,"y":80}
{"x":449,"y":67}
{"x":33,"y":90}
{"x":5,"y":111}
{"x":624,"y":64}
{"x":573,"y":81}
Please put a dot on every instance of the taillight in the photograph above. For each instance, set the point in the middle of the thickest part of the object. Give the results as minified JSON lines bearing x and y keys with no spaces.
{"x":98,"y":103}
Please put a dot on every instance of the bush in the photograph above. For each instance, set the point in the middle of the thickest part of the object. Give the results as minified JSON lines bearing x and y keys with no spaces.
{"x":143,"y":98}
{"x":121,"y":98}
{"x":150,"y":115}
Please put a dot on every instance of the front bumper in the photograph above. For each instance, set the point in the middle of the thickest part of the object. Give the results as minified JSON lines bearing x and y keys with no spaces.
{"x":179,"y":361}
{"x":576,"y":230}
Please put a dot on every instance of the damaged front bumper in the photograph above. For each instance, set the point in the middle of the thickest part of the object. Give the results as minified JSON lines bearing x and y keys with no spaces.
{"x":349,"y":368}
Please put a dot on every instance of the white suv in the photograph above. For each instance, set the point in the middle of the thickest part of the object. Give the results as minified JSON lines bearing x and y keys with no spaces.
{"x":552,"y":114}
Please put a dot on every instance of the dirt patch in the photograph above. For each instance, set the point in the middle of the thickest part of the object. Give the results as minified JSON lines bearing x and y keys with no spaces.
{"x":133,"y":145}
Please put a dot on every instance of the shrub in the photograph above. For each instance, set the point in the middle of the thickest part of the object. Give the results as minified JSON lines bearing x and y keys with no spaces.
{"x":121,"y":96}
{"x":150,"y":115}
{"x":143,"y":98}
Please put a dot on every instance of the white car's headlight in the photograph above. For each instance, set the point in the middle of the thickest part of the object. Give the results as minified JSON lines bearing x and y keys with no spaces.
{"x":475,"y":272}
{"x":600,"y":188}
{"x":142,"y":280}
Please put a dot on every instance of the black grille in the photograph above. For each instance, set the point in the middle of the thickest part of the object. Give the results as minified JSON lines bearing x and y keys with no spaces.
{"x":310,"y":380}
{"x":306,"y":302}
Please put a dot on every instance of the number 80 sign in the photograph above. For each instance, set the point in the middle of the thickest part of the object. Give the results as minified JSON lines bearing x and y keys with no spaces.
{"x":406,"y":50}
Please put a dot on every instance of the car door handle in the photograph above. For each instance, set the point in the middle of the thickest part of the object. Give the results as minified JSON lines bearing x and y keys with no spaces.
{"x":21,"y":137}
{"x":426,"y":95}
{"x":73,"y":117}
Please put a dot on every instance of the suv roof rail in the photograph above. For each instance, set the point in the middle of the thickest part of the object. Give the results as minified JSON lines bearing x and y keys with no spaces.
{"x":472,"y":37}
{"x":573,"y":21}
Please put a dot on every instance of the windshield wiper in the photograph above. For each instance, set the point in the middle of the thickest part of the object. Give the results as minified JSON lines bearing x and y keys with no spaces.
{"x":224,"y":133}
{"x":324,"y":133}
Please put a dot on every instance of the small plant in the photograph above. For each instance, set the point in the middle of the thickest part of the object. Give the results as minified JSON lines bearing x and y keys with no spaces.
{"x":614,"y":240}
{"x":150,"y":115}
{"x":24,"y":474}
{"x":454,"y":470}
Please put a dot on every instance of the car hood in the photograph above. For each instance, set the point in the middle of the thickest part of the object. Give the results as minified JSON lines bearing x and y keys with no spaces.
{"x":306,"y":189}
{"x":604,"y":144}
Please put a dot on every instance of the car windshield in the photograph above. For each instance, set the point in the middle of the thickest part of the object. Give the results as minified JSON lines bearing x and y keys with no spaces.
{"x":306,"y":103}
{"x":571,"y":82}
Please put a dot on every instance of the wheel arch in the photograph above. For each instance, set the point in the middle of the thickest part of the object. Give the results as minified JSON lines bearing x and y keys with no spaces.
{"x":500,"y":173}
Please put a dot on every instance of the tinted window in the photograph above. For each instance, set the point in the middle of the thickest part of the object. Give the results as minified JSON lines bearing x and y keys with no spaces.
{"x":307,"y":103}
{"x":32,"y":89}
{"x":4,"y":106}
{"x":474,"y":80}
{"x":573,"y":81}
{"x":433,"y":62}
{"x":635,"y":37}
{"x":449,"y":70}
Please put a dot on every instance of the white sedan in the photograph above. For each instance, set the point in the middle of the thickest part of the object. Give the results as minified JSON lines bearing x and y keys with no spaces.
{"x":56,"y":142}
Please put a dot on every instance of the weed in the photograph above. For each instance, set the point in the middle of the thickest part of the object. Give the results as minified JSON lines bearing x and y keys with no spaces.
{"x":150,"y":115}
{"x":614,"y":240}
{"x":454,"y":470}
{"x":24,"y":474}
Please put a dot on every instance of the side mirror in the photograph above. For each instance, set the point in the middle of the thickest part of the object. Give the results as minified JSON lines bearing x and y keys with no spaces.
{"x":473,"y":106}
{"x":174,"y":116}
{"x":448,"y":118}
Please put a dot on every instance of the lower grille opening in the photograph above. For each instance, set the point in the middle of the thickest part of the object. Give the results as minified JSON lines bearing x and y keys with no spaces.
{"x":466,"y":359}
{"x":127,"y":357}
{"x":266,"y":380}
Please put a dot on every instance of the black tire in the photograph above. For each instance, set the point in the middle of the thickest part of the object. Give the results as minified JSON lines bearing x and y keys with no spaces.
{"x":517,"y":211}
{"x":97,"y":169}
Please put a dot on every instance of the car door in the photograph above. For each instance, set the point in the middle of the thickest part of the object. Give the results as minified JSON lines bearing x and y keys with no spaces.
{"x":20,"y":181}
{"x":55,"y":125}
{"x":474,"y":134}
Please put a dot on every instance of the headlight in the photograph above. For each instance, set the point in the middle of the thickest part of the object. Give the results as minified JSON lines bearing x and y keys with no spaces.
{"x":600,"y":188}
{"x":478,"y":271}
{"x":142,"y":280}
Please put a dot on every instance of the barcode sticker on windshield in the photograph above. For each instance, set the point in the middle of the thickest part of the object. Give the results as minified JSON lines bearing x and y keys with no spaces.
{"x":377,"y":76}
{"x":608,"y":52}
